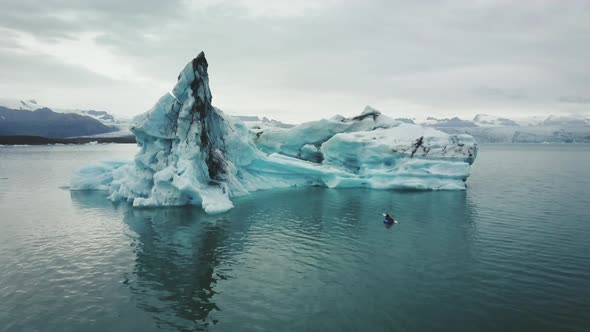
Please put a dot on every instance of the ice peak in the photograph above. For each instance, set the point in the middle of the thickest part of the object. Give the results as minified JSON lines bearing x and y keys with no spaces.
{"x":200,"y":59}
{"x":368,"y":112}
{"x":200,"y":66}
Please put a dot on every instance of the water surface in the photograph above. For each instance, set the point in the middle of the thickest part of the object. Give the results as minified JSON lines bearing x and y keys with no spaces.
{"x":511,"y":252}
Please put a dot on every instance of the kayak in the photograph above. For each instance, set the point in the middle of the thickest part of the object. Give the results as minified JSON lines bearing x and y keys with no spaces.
{"x":389,"y":222}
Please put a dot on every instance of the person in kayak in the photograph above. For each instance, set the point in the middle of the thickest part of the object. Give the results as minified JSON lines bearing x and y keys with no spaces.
{"x":388,"y":217}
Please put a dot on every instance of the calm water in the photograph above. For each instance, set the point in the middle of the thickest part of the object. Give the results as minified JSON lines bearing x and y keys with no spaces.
{"x":510,"y":253}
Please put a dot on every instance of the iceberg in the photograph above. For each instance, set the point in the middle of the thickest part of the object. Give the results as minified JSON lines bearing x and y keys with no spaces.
{"x":192,"y":153}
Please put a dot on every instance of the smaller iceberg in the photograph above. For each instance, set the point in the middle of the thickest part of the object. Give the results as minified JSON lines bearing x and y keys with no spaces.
{"x":193,"y":153}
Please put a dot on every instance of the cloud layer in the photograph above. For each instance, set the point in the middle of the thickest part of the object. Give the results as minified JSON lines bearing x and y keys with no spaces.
{"x":297,"y":60}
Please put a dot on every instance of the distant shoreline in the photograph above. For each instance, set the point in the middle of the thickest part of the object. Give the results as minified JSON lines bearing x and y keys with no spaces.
{"x":38,"y":140}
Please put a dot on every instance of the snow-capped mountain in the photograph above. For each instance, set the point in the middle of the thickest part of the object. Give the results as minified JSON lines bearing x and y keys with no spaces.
{"x":32,"y":104}
{"x":445,"y":123}
{"x":531,"y":129}
{"x":17,"y":104}
{"x":41,"y":126}
{"x":46,"y":123}
{"x":484,"y":120}
{"x":566,"y":121}
{"x":256,"y":122}
{"x":101,"y":116}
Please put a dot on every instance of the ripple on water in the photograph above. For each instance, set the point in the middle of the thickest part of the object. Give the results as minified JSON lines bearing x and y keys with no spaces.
{"x":509,"y":253}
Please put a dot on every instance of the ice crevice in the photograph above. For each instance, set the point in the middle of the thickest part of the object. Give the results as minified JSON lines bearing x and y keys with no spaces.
{"x":192,"y":153}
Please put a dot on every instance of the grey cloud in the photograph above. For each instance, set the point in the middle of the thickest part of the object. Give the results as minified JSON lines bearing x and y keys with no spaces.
{"x":500,"y":93}
{"x":54,"y":19}
{"x":444,"y":54}
{"x":574,"y":99}
{"x":42,"y":71}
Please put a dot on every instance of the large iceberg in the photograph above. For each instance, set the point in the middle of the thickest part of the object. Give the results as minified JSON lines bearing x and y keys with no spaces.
{"x":193,"y":153}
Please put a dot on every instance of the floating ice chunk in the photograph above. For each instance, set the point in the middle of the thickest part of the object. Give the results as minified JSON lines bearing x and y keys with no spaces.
{"x":96,"y":177}
{"x":192,"y":153}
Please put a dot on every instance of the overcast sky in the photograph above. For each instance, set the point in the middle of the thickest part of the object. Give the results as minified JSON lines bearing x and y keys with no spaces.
{"x":301,"y":60}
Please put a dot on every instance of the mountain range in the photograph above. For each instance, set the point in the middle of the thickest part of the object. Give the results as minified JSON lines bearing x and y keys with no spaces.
{"x":29,"y":118}
{"x":492,"y":129}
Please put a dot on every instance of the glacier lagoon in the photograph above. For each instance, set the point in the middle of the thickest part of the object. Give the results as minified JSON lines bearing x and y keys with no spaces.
{"x":511,"y":252}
